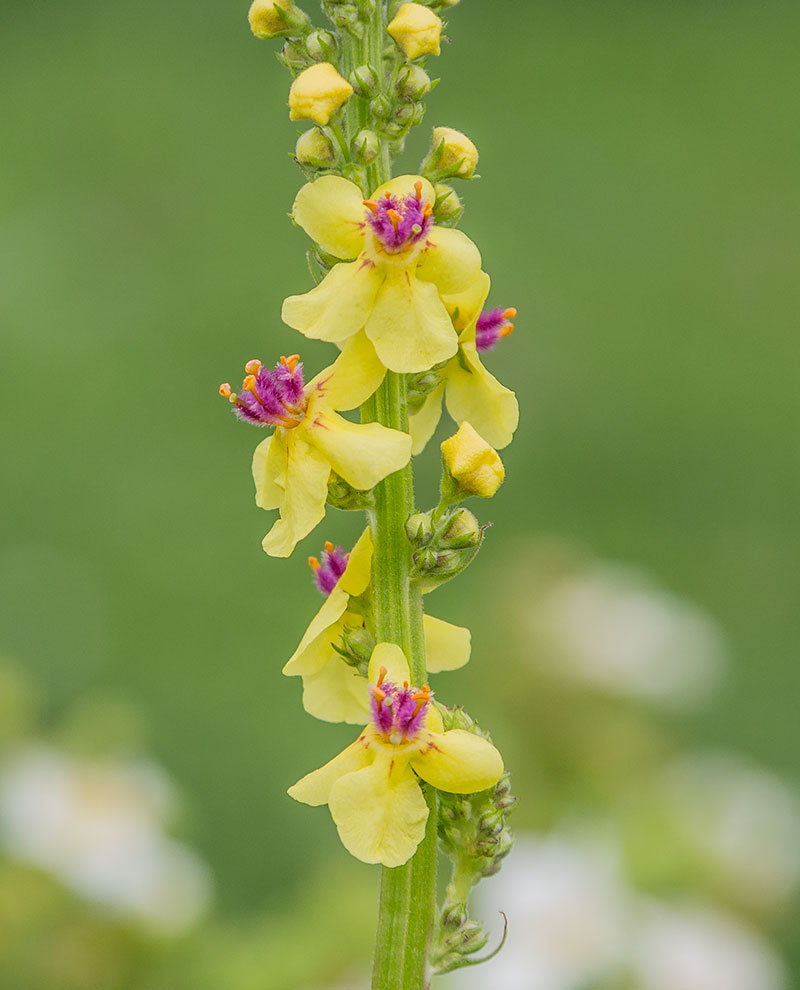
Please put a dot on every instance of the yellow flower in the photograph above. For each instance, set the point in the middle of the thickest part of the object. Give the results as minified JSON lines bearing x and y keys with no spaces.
{"x":269,"y":18}
{"x":416,"y":29}
{"x":332,"y":690}
{"x":470,"y":392}
{"x":291,"y":468}
{"x":472,"y":463}
{"x":404,"y":266}
{"x":372,"y":788}
{"x":458,"y":152}
{"x":317,"y":93}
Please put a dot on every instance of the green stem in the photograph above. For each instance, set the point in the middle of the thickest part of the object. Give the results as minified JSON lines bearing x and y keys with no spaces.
{"x":408,"y":893}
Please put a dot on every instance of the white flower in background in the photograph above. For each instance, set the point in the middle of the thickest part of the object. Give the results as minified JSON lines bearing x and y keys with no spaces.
{"x":744,"y":819}
{"x":566,"y":908}
{"x":98,"y":827}
{"x":610,"y":627}
{"x":697,"y":948}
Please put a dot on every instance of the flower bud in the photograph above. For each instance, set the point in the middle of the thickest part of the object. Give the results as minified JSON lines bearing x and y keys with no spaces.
{"x":355,"y":647}
{"x":472,"y":464}
{"x":419,"y":529}
{"x":317,"y":93}
{"x":342,"y":495}
{"x":321,"y":46}
{"x":417,"y":30}
{"x":271,"y":18}
{"x":463,"y":531}
{"x":364,"y":80}
{"x":294,"y":57}
{"x":413,"y":82}
{"x":382,"y":107}
{"x":459,"y":154}
{"x":365,"y":147}
{"x":314,"y":148}
{"x":448,"y":206}
{"x":454,"y":916}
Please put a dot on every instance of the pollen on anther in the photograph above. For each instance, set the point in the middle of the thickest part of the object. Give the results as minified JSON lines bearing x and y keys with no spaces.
{"x":313,"y":563}
{"x":370,"y":204}
{"x":418,"y":187}
{"x":290,"y":362}
{"x":252,"y":367}
{"x":510,"y":313}
{"x":382,"y":675}
{"x":329,"y":546}
{"x":225,"y":390}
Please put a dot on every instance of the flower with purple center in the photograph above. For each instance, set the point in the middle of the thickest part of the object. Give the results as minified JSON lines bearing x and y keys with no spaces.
{"x":270,"y":397}
{"x":328,"y":570}
{"x":397,"y":269}
{"x":491,"y":326}
{"x":292,"y":468}
{"x":372,"y":788}
{"x":398,"y":713}
{"x":469,"y":390}
{"x":399,"y":223}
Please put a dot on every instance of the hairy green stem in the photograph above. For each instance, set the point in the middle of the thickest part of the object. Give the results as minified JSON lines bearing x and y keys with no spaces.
{"x":408,"y":893}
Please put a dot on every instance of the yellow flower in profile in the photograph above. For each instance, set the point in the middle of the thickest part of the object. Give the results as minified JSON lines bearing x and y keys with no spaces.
{"x":472,"y":463}
{"x":416,"y":29}
{"x":317,"y":93}
{"x":291,"y":468}
{"x":405,"y":266}
{"x":372,"y":788}
{"x":458,"y":152}
{"x":269,"y":18}
{"x":469,"y":391}
{"x":332,"y":690}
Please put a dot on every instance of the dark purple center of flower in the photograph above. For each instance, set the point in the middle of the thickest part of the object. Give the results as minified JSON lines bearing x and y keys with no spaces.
{"x":398,"y":223}
{"x":270,"y":396}
{"x":491,"y":326}
{"x":330,"y":568}
{"x":398,"y":712}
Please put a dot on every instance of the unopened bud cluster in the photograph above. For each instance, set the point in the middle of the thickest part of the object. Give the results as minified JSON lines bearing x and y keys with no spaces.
{"x":443,"y":544}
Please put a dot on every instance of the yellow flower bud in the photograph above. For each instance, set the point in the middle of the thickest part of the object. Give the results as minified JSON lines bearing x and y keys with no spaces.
{"x":313,"y":147}
{"x":472,"y":463}
{"x":317,"y":94}
{"x":268,"y":18}
{"x":416,"y":29}
{"x":459,"y":155}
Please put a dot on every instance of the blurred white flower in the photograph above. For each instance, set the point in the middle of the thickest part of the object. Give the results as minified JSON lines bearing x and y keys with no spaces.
{"x":697,"y":948}
{"x":744,"y":819}
{"x":98,"y":826}
{"x":566,"y":909}
{"x":610,"y":627}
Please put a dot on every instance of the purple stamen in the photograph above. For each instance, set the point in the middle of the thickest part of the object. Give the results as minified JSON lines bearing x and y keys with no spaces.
{"x":270,"y":396}
{"x":399,"y":223}
{"x":491,"y":326}
{"x":398,"y":712}
{"x":328,"y":571}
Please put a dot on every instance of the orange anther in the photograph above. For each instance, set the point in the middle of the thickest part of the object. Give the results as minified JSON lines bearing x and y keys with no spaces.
{"x":380,"y":695}
{"x":290,"y":362}
{"x":418,"y":187}
{"x":370,"y":204}
{"x":387,"y":194}
{"x":252,"y":367}
{"x":225,"y":390}
{"x":427,"y":209}
{"x":381,"y":675}
{"x":394,"y":216}
{"x":329,"y":546}
{"x":507,"y":329}
{"x":510,"y":313}
{"x":313,"y":563}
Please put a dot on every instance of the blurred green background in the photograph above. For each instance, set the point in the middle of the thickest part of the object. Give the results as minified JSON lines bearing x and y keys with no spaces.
{"x":639,"y":206}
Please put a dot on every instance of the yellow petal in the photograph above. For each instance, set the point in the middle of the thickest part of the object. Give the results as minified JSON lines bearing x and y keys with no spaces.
{"x":361,"y":453}
{"x":352,"y":378}
{"x":465,"y":307}
{"x":336,"y":693}
{"x":447,"y":647}
{"x":477,"y":397}
{"x":422,"y":425}
{"x":390,"y":656}
{"x":303,"y":504}
{"x":338,"y":307}
{"x":314,"y":649}
{"x":405,"y":185}
{"x":380,"y":812}
{"x":357,"y":573}
{"x":450,"y":260}
{"x":269,"y":471}
{"x":459,"y":762}
{"x":409,"y":325}
{"x":315,"y":787}
{"x":331,"y":211}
